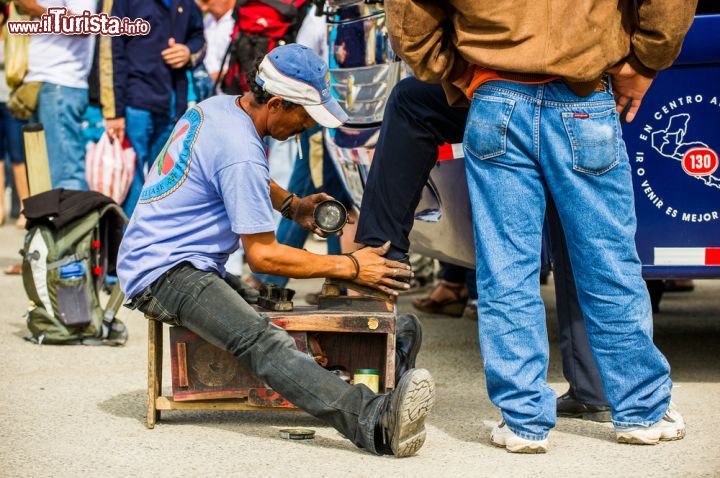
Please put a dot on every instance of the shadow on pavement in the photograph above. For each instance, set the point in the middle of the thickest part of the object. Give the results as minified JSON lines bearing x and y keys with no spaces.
{"x":247,"y":423}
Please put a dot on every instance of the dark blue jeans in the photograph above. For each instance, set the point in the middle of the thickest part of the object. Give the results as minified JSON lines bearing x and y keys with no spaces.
{"x":417,"y":120}
{"x":214,"y":308}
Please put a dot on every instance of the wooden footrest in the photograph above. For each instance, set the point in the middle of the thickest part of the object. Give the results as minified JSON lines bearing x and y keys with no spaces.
{"x":167,"y":403}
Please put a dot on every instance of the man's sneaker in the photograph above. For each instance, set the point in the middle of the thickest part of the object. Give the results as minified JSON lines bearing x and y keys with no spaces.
{"x":670,"y":427}
{"x":408,"y":338}
{"x":503,"y":437}
{"x":403,"y":422}
{"x":569,"y":407}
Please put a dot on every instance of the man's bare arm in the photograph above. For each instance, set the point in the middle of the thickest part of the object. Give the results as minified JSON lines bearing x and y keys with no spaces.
{"x":266,"y":256}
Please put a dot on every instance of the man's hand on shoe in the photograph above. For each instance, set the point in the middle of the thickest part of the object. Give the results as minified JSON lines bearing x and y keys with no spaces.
{"x":177,"y":55}
{"x":381,"y":273}
{"x":629,"y":87}
{"x":115,"y":129}
{"x":303,"y":209}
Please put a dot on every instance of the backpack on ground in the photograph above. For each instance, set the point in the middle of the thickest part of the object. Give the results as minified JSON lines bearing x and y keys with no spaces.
{"x":260,"y":26}
{"x":66,"y":265}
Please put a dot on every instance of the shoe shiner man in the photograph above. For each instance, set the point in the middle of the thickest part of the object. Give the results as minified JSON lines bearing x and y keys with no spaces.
{"x":547,"y":81}
{"x":209,"y":185}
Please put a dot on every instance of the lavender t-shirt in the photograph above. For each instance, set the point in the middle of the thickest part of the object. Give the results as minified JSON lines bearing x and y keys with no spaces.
{"x":209,"y":184}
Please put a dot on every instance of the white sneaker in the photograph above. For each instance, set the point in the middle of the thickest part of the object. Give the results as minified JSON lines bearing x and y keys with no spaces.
{"x":503,"y":437}
{"x":670,"y":427}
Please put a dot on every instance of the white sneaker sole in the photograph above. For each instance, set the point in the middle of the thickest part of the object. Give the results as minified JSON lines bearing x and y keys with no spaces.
{"x":417,"y":400}
{"x":521,"y":446}
{"x":642,"y":437}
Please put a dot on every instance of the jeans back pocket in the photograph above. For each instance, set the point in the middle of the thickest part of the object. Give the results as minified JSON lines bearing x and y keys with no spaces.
{"x":594,"y":140}
{"x":486,"y":129}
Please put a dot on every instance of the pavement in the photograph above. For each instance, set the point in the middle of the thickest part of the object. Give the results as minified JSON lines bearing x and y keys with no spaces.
{"x":80,"y":411}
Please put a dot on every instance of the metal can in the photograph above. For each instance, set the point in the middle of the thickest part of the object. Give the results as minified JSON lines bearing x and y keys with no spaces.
{"x":368,"y":376}
{"x":330,"y":216}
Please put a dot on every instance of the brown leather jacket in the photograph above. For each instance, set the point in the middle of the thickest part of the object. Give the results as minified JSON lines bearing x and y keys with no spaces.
{"x":577,"y":40}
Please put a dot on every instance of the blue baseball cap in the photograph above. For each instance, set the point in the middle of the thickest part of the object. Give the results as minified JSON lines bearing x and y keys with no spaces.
{"x":296,"y":74}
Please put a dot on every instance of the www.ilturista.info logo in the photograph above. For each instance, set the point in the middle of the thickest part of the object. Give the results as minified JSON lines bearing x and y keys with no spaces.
{"x":58,"y":21}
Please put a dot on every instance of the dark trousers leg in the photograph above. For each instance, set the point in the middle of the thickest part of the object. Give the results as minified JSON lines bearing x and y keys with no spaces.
{"x":459,"y":275}
{"x":579,"y":366}
{"x":417,"y":119}
{"x":452,"y":273}
{"x":206,"y":304}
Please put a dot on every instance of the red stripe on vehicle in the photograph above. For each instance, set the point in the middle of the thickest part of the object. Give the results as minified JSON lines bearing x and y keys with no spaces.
{"x":712,"y":256}
{"x":445,"y":152}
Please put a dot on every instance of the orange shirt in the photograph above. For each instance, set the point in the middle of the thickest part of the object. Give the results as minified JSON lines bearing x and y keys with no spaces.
{"x":482,"y":75}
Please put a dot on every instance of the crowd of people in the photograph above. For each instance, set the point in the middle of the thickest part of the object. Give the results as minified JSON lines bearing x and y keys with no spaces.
{"x":136,"y":88}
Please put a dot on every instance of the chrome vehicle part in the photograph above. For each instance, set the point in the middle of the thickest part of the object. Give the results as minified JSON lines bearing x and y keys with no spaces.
{"x":363,"y":66}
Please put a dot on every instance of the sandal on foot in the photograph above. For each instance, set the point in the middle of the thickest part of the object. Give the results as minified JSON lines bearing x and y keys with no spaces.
{"x":14,"y":270}
{"x":454,"y":307}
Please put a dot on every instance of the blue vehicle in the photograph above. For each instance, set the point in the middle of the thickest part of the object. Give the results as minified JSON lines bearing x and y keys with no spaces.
{"x":673,"y":145}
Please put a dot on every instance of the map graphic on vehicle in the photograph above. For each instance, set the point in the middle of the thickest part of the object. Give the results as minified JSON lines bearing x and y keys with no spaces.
{"x":670,"y":142}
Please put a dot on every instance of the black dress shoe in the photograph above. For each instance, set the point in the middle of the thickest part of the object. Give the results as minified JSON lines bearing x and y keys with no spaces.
{"x":569,"y":407}
{"x":408,"y":338}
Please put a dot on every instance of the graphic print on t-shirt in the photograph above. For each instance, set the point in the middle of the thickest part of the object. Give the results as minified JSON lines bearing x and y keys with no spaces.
{"x":173,"y":163}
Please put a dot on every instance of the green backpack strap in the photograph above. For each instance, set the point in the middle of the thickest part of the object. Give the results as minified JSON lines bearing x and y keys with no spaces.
{"x":111,"y":309}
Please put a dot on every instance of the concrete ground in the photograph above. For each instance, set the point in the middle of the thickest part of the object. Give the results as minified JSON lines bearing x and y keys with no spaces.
{"x":80,"y":411}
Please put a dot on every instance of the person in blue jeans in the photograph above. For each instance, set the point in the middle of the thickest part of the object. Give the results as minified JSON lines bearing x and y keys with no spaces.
{"x":62,"y":64}
{"x":144,"y":81}
{"x":547,"y":82}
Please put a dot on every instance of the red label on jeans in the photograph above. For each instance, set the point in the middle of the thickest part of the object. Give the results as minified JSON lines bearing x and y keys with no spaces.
{"x":581,"y":115}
